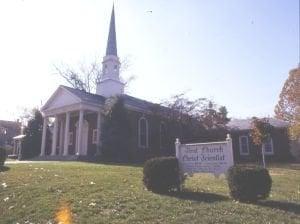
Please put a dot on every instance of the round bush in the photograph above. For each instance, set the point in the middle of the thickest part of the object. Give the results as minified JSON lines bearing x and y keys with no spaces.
{"x":162,"y":174}
{"x":249,"y":183}
{"x":2,"y":156}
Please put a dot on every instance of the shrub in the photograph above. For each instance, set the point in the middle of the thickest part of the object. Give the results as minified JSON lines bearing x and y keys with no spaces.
{"x":2,"y":156}
{"x":162,"y":174}
{"x":249,"y":183}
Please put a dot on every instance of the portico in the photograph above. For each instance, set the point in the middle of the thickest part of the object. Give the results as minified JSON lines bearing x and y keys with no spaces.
{"x":71,"y":123}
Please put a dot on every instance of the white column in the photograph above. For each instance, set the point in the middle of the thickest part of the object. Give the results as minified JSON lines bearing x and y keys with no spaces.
{"x":98,"y":152}
{"x":79,"y":136}
{"x":66,"y":141}
{"x":54,"y":139}
{"x":15,"y":147}
{"x":61,"y":137}
{"x":229,"y":147}
{"x":43,"y":146}
{"x":177,"y":148}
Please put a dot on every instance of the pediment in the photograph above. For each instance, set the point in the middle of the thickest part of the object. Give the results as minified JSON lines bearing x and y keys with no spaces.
{"x":60,"y":98}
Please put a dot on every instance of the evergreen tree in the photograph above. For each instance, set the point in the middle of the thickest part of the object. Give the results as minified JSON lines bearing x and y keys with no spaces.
{"x":31,"y":145}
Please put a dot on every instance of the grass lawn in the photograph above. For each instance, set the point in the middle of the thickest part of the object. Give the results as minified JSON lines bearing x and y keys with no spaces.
{"x":99,"y":193}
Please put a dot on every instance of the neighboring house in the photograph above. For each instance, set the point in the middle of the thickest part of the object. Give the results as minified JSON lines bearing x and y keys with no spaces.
{"x":295,"y":149}
{"x":277,"y":148}
{"x":8,"y":130}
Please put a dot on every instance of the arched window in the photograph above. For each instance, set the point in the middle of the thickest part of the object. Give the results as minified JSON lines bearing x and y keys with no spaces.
{"x":163,"y":135}
{"x":143,"y":132}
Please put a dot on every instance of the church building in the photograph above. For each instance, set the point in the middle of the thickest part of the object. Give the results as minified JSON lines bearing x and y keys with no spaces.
{"x":77,"y":115}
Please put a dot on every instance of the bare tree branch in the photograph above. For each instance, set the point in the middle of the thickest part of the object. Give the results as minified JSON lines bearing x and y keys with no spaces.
{"x":86,"y":76}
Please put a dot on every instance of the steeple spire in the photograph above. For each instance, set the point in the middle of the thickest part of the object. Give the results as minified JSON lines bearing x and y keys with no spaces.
{"x":111,"y":48}
{"x":110,"y":83}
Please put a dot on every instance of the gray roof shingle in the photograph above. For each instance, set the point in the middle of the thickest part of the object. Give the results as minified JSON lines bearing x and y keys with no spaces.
{"x":85,"y":96}
{"x":245,"y":124}
{"x":100,"y":100}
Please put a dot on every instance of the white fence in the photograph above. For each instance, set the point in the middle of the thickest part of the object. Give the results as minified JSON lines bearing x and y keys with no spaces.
{"x":212,"y":157}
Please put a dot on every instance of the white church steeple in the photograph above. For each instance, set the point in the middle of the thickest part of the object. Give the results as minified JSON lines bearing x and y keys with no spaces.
{"x":110,"y":83}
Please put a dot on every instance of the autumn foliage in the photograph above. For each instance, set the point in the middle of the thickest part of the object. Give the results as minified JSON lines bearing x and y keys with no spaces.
{"x":260,"y":131}
{"x":288,"y":107}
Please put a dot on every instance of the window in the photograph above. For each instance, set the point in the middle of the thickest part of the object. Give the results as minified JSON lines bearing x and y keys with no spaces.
{"x":163,"y":135}
{"x":244,"y":145}
{"x":94,"y":137}
{"x":268,"y":147}
{"x":105,"y":69}
{"x":143,"y":132}
{"x":70,"y":138}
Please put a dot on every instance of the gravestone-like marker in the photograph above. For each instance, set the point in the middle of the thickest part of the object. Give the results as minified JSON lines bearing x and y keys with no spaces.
{"x":212,"y":157}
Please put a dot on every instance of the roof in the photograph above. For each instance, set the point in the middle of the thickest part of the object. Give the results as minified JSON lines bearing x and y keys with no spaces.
{"x":100,"y":100}
{"x":10,"y":124}
{"x":245,"y":124}
{"x":138,"y":103}
{"x":85,"y":96}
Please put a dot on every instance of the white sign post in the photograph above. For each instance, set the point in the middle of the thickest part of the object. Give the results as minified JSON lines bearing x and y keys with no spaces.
{"x":212,"y":157}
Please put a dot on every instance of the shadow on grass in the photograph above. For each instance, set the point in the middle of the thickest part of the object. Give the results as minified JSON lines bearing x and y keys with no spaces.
{"x":198,"y":196}
{"x":281,"y":205}
{"x":111,"y":163}
{"x":120,"y":164}
{"x":4,"y":168}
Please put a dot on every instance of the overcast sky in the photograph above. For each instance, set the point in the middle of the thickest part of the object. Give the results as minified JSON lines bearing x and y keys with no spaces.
{"x":237,"y":53}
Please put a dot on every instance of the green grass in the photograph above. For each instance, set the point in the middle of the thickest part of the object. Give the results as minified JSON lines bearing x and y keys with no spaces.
{"x":115,"y":194}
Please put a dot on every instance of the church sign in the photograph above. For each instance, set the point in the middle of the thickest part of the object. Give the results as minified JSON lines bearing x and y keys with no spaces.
{"x":213,"y":157}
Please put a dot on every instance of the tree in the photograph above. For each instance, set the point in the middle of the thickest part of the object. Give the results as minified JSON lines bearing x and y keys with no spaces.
{"x":288,"y":106}
{"x":193,"y":118}
{"x":260,"y":133}
{"x":116,"y":132}
{"x":203,"y":110}
{"x":86,"y":76}
{"x":32,"y":141}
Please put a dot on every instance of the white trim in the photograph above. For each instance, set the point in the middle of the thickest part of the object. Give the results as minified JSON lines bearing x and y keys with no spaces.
{"x":72,"y":108}
{"x":52,"y":97}
{"x":139,"y":133}
{"x":240,"y":145}
{"x":272,"y":147}
{"x":95,"y":136}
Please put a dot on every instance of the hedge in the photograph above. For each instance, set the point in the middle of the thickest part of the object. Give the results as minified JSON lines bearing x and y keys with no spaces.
{"x":249,"y":183}
{"x":162,"y":174}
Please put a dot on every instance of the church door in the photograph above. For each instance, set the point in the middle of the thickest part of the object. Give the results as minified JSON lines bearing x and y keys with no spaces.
{"x":84,"y":138}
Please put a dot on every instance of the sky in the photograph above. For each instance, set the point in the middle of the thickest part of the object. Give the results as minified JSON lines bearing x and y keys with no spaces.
{"x":237,"y":53}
